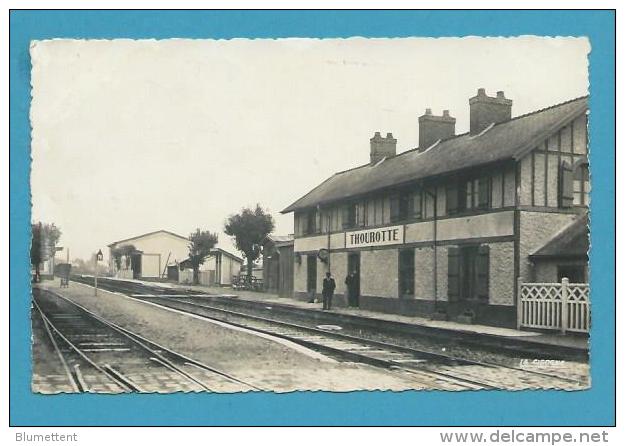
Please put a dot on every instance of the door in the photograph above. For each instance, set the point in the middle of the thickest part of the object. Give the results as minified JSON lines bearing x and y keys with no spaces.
{"x":406,"y":272}
{"x":172,"y":273}
{"x":353,"y":266}
{"x":136,"y":266}
{"x":311,"y":283}
{"x":468,"y":281}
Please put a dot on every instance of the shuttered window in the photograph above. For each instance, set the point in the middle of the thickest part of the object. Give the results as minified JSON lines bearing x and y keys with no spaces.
{"x":360,"y":214}
{"x":471,"y":190}
{"x":417,"y":206}
{"x":468,"y":273}
{"x":453,"y":273}
{"x":483,"y":195}
{"x":452,"y":199}
{"x":482,"y":272}
{"x":304,"y":223}
{"x":581,"y":186}
{"x":566,"y":185}
{"x":349,"y":215}
{"x":395,"y":214}
{"x":311,"y":223}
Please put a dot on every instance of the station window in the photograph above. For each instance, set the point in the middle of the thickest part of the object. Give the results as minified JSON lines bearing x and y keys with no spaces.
{"x":581,"y":186}
{"x":468,"y":194}
{"x":406,"y":272}
{"x":350,"y":215}
{"x":574,"y":185}
{"x":310,"y":223}
{"x":405,"y":205}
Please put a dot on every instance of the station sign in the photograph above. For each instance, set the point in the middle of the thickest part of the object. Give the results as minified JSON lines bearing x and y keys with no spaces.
{"x":389,"y":235}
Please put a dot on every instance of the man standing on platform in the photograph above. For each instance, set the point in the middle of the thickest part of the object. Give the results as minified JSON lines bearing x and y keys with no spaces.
{"x":329,"y":286}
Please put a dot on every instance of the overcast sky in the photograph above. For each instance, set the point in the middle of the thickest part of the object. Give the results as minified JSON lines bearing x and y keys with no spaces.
{"x":134,"y":136}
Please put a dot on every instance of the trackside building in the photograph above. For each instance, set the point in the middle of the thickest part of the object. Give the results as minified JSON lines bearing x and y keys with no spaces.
{"x":451,"y":226}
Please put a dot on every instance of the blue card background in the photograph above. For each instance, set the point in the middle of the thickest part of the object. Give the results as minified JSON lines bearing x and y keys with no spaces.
{"x":592,"y":407}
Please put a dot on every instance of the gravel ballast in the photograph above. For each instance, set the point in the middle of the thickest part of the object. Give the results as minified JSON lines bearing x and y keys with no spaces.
{"x":269,"y":363}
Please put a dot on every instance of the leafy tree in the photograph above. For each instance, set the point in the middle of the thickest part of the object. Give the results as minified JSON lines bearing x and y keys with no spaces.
{"x":43,"y":244}
{"x":126,"y":251}
{"x":116,"y":253}
{"x":249,"y":228}
{"x":201,"y":243}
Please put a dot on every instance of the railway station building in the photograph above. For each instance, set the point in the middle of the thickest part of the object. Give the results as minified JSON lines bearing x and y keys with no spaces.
{"x":217,"y":269}
{"x":156,"y":255}
{"x":450,"y":227}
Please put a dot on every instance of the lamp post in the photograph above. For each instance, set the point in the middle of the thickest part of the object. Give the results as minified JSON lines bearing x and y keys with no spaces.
{"x":98,"y":257}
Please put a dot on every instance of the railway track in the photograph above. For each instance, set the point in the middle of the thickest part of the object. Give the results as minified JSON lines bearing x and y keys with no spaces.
{"x":99,"y":356}
{"x":421,"y":365}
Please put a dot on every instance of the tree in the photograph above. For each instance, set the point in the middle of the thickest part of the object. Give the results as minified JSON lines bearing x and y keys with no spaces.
{"x":116,"y":253}
{"x":43,"y":244}
{"x":249,"y":228}
{"x":126,"y":251}
{"x":201,"y":243}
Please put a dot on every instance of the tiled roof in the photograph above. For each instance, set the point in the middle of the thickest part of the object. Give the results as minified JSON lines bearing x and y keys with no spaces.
{"x":504,"y":141}
{"x":572,"y":241}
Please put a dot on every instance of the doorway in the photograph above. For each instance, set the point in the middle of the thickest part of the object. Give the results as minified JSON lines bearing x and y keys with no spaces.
{"x":468,"y":276}
{"x":406,"y":273}
{"x":353,"y":285}
{"x":135,"y":264}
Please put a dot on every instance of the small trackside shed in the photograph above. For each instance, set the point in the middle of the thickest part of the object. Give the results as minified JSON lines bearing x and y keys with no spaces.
{"x":278,"y":264}
{"x":217,"y":269}
{"x":154,"y":254}
{"x":448,"y":228}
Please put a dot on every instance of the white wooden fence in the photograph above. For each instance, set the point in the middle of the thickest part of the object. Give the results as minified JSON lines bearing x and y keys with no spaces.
{"x":205,"y":277}
{"x":558,"y":306}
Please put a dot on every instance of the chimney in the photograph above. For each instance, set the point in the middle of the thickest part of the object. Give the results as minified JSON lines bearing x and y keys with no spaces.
{"x":382,"y":147}
{"x":486,"y":110}
{"x":432,"y":128}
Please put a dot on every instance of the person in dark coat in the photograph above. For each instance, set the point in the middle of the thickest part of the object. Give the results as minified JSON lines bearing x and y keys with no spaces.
{"x":329,"y":285}
{"x":353,"y":288}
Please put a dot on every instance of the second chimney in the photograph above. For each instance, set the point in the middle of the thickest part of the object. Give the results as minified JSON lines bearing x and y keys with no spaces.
{"x":486,"y":110}
{"x":382,"y":147}
{"x":432,"y":128}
